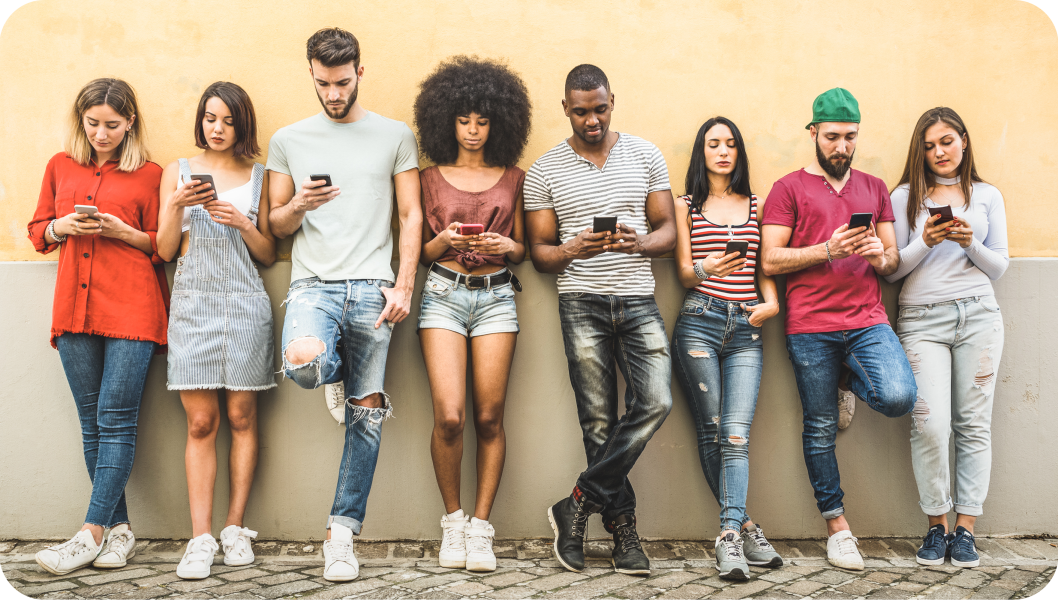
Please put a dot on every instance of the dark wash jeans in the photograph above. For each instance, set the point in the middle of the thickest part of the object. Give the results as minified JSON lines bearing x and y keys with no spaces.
{"x":881,"y":377}
{"x":599,"y":331}
{"x":106,"y":377}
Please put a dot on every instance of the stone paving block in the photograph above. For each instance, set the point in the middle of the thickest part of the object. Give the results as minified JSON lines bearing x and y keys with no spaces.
{"x":890,"y":592}
{"x":706,"y":571}
{"x":802,"y":569}
{"x":636,"y":592}
{"x":271,"y":567}
{"x":713,"y":581}
{"x":949,"y":592}
{"x":406,"y":550}
{"x":245,"y":574}
{"x":7,"y":546}
{"x":928,"y":576}
{"x":1034,"y":568}
{"x":688,"y":592}
{"x":385,"y":593}
{"x":105,"y":590}
{"x":341,"y":590}
{"x":1043,"y":548}
{"x":365,"y":550}
{"x":437,"y":595}
{"x":511,"y":593}
{"x":743,"y":590}
{"x":606,"y":583}
{"x":808,"y":548}
{"x":194,"y":585}
{"x":663,"y":564}
{"x":36,"y":590}
{"x":658,"y":550}
{"x":116,"y":575}
{"x":858,"y":587}
{"x":994,"y":549}
{"x":911,"y":587}
{"x":673,"y":579}
{"x":691,"y":550}
{"x":1018,"y":575}
{"x":993,"y":592}
{"x":1020,"y":548}
{"x":531,"y":549}
{"x":513,"y":563}
{"x":773,"y":594}
{"x":278,"y":579}
{"x":469,"y":588}
{"x":874,"y":549}
{"x":969,"y":579}
{"x":833,"y":595}
{"x":399,"y":576}
{"x":832,"y":577}
{"x":502,"y":550}
{"x":508,"y":578}
{"x":780,"y":576}
{"x":803,"y":588}
{"x":157,"y":580}
{"x":143,"y":593}
{"x":876,"y":563}
{"x":990,"y":570}
{"x":884,"y":577}
{"x":231,"y":588}
{"x":35,"y":574}
{"x":435,"y":580}
{"x":287,"y":589}
{"x":554,"y":581}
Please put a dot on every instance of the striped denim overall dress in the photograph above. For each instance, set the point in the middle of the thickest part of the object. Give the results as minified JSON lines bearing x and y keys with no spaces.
{"x":220,"y":323}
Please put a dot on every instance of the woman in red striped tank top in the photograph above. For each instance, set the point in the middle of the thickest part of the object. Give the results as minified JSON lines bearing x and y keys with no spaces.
{"x":717,"y":343}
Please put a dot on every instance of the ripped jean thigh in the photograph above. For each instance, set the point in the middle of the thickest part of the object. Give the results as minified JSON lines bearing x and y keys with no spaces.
{"x":314,"y":310}
{"x":365,"y":347}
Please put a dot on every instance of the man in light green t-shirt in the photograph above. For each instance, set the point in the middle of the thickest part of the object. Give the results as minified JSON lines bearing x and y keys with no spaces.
{"x":342,"y":286}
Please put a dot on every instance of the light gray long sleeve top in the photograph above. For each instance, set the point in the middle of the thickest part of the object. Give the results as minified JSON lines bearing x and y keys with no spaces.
{"x":948,"y":271}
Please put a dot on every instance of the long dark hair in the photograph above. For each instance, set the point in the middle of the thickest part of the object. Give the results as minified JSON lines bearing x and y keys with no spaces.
{"x":697,"y":183}
{"x":919,"y":177}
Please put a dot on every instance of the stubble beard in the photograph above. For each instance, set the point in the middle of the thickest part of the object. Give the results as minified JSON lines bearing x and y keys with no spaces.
{"x":344,"y":111}
{"x":837,"y":171}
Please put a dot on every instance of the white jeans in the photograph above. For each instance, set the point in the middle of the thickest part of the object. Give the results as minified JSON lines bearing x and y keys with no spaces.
{"x":954,"y":349}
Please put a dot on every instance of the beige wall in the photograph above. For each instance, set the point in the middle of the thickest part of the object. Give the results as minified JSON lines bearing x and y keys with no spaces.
{"x":671,"y":64}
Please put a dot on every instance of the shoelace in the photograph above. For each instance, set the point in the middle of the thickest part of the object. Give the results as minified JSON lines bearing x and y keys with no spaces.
{"x":848,"y":545}
{"x":239,"y":544}
{"x":200,"y":550}
{"x":334,"y":396}
{"x":580,"y":522}
{"x":117,"y":542}
{"x":341,"y":550}
{"x":479,"y":543}
{"x":71,"y":548}
{"x":762,"y":542}
{"x":453,"y":538}
{"x":629,"y":537}
{"x":731,"y":549}
{"x":931,"y":536}
{"x":965,"y":542}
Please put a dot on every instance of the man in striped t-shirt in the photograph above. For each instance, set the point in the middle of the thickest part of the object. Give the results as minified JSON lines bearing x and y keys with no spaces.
{"x":606,"y":304}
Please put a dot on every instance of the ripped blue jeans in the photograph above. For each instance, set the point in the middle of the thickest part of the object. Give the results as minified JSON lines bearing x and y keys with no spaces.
{"x":342,"y":315}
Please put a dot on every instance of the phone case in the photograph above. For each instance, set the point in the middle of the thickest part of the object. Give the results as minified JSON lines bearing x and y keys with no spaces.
{"x":471,"y":229}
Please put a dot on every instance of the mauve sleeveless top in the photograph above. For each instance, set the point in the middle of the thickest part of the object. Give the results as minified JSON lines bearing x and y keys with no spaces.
{"x":443,"y":205}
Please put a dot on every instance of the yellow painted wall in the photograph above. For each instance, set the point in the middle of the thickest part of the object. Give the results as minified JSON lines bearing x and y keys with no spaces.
{"x":671,"y":65}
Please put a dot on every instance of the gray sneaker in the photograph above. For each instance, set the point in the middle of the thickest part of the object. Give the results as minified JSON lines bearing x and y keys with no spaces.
{"x":758,"y":551}
{"x":729,"y":559}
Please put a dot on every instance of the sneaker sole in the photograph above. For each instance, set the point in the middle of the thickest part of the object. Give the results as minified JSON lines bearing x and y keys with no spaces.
{"x":97,"y":565}
{"x":629,"y":571}
{"x":965,"y":565}
{"x":55,"y":571}
{"x":554,"y":546}
{"x":192,"y":576}
{"x":852,"y":568}
{"x":242,"y":562}
{"x":481,"y":567}
{"x":931,"y":562}
{"x":734,"y":575}
{"x":452,"y":564}
{"x":340,"y":579}
{"x":774,"y":563}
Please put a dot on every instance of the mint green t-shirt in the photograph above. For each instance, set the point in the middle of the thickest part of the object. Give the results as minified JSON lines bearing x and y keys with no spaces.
{"x":350,"y":237}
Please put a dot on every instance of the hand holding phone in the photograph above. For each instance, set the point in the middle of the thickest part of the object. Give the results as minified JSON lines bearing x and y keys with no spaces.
{"x":86,"y":209}
{"x":471,"y":229}
{"x":601,"y":224}
{"x":860,"y":220}
{"x":945,"y":213}
{"x":207,"y":193}
{"x":326,"y":179}
{"x":740,"y":246}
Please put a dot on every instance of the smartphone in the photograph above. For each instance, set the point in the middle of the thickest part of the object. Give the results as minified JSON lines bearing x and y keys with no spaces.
{"x":604,"y":224}
{"x":740,"y":246}
{"x":471,"y":229}
{"x":85,"y":209}
{"x":860,"y":220}
{"x":206,"y":178}
{"x":944,"y":212}
{"x":324,"y":178}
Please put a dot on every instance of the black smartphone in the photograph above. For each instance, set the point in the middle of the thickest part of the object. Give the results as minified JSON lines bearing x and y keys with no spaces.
{"x":324,"y":178}
{"x":740,"y":246}
{"x":604,"y":224}
{"x":860,"y":220}
{"x":944,"y":212}
{"x":206,"y":178}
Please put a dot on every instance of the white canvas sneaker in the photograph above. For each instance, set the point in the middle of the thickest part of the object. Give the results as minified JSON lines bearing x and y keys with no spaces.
{"x":339,"y":560}
{"x":235,"y":541}
{"x":846,"y":408}
{"x":453,"y":552}
{"x":334,"y":396}
{"x":120,"y":546}
{"x":480,"y":556}
{"x":198,"y":558}
{"x":77,"y":553}
{"x":842,"y":551}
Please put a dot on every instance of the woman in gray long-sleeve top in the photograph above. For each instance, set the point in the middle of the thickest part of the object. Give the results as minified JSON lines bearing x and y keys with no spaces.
{"x":950,"y":324}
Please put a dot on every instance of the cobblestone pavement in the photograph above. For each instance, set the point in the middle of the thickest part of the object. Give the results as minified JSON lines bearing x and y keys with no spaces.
{"x":1010,"y":568}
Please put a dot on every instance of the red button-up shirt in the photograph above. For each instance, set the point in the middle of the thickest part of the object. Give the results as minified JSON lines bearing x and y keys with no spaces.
{"x":104,"y":286}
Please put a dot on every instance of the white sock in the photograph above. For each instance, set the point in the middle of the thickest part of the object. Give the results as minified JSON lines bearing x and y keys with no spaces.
{"x":456,"y":515}
{"x":119,"y":528}
{"x":476,"y":522}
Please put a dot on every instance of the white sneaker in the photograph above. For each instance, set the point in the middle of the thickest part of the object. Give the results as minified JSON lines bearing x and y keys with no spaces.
{"x":453,"y":552}
{"x":237,"y":547}
{"x":77,"y":553}
{"x":120,"y":546}
{"x":339,"y":560}
{"x":334,"y":396}
{"x":198,"y":558}
{"x":846,"y":408}
{"x":480,"y":556}
{"x":842,"y":551}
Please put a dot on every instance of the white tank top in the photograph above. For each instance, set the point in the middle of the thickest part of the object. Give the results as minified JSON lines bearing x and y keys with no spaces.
{"x":239,"y":197}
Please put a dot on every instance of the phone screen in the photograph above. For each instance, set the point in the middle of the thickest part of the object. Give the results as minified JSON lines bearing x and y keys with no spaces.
{"x":737,"y":246}
{"x":860,"y":220}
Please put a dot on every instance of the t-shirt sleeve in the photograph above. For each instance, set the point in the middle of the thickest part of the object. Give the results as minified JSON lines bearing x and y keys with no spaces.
{"x":658,"y":173}
{"x":885,"y":204}
{"x":536,"y":191}
{"x":407,"y":152}
{"x":779,"y":208}
{"x":277,"y":156}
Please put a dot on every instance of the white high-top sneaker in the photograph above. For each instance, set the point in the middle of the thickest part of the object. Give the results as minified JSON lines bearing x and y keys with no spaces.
{"x":77,"y":553}
{"x":120,"y":546}
{"x":842,"y":551}
{"x":453,"y":552}
{"x":480,"y":556}
{"x":198,"y":558}
{"x":339,"y":560}
{"x":334,"y":396}
{"x":238,"y":550}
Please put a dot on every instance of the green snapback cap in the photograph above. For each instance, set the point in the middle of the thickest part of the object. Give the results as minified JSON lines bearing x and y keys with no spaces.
{"x":835,"y":106}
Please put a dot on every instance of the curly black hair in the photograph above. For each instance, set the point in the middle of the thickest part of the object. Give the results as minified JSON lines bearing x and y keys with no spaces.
{"x":464,"y":84}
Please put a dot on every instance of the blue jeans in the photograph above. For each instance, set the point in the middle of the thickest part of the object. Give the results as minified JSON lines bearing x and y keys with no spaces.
{"x":106,"y":376}
{"x":597,"y":331}
{"x":880,"y":377}
{"x":719,"y":356}
{"x":342,"y":315}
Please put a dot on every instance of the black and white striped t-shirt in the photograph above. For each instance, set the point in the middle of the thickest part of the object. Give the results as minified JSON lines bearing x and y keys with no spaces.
{"x":578,"y":191}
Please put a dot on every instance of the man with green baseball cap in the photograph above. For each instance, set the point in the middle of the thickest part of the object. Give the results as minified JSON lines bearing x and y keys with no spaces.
{"x":836,"y":326}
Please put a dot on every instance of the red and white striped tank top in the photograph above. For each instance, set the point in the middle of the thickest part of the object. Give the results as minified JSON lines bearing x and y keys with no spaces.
{"x":707,"y":238}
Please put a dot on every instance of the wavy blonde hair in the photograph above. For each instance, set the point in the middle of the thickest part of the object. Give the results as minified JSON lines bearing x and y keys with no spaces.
{"x":120,"y":96}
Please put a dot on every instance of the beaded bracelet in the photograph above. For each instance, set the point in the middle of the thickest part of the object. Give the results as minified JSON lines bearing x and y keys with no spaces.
{"x":700,"y":272}
{"x":826,"y":245}
{"x":51,"y":232}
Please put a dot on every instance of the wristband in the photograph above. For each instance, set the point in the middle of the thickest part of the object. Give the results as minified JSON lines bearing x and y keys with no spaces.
{"x":826,"y":245}
{"x":51,"y":231}
{"x":699,"y":272}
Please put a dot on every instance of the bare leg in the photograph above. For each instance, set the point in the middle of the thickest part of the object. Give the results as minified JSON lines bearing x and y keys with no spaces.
{"x":965,"y":521}
{"x":97,"y":532}
{"x":242,"y":461}
{"x":941,"y":520}
{"x":491,"y":355}
{"x":200,"y":456}
{"x":837,"y":524}
{"x":445,"y":353}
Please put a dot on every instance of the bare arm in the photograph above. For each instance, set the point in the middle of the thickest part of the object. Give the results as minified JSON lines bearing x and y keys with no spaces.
{"x":409,"y":214}
{"x":716,"y":264}
{"x":881,"y":251}
{"x":778,"y":258}
{"x":287,"y":208}
{"x":547,"y":254}
{"x":259,"y":240}
{"x":174,"y":199}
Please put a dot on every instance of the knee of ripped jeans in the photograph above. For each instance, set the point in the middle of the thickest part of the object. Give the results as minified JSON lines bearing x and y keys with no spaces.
{"x":304,"y":371}
{"x":371,"y":417}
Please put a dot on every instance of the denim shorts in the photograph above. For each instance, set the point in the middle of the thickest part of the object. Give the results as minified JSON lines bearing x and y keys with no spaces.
{"x":471,"y":313}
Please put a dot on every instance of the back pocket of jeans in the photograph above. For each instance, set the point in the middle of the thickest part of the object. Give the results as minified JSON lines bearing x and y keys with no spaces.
{"x":211,"y":258}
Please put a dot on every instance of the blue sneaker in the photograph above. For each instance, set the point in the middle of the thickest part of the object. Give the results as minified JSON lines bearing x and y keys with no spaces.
{"x":963,"y":550}
{"x":934,"y":547}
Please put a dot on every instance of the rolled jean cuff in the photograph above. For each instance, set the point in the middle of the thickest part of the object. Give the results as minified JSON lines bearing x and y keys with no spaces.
{"x":969,"y":511}
{"x":833,"y":514}
{"x":936,"y":511}
{"x":349,"y":522}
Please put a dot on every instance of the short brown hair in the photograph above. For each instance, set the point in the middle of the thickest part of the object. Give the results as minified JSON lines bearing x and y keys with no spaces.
{"x":243,"y":119}
{"x":120,"y":96}
{"x":333,"y":47}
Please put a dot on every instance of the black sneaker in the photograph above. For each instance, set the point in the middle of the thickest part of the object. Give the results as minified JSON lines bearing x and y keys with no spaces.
{"x":569,"y":519}
{"x":628,"y":556}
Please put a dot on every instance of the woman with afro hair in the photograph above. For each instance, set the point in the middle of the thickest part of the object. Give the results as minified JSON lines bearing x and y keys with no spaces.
{"x":473,"y":118}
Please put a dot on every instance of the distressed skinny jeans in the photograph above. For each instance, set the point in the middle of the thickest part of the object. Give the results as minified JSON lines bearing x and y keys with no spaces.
{"x":954,"y":350}
{"x":718,"y":359}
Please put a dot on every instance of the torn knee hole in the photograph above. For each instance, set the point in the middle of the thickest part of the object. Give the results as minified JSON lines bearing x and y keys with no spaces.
{"x":737,"y":440}
{"x":914,"y":360}
{"x":985,"y":375}
{"x":303,"y":351}
{"x":698,"y":353}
